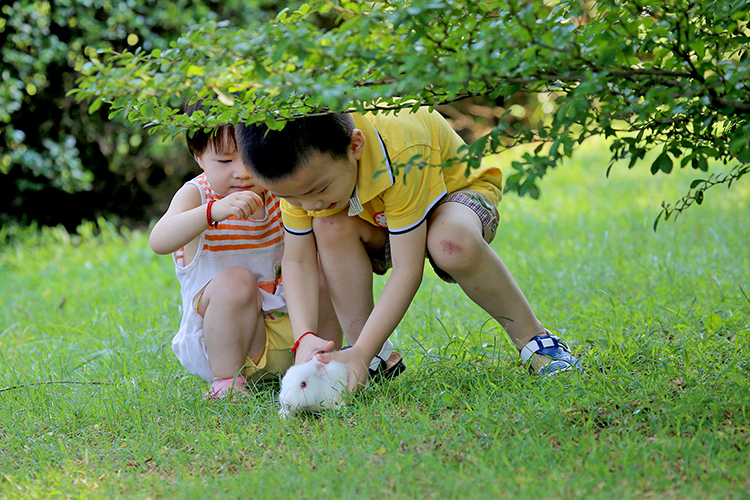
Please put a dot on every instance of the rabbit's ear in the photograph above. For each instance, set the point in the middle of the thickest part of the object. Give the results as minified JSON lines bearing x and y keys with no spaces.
{"x":321,"y":367}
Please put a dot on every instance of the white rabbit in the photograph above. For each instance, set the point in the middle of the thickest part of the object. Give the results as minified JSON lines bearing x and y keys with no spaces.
{"x":313,"y":387}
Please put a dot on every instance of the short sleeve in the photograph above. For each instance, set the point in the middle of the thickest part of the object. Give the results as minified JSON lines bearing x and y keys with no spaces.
{"x":296,"y":220}
{"x":415,"y":190}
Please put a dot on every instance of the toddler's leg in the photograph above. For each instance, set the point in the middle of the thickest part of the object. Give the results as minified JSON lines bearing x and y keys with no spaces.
{"x":233,"y":326}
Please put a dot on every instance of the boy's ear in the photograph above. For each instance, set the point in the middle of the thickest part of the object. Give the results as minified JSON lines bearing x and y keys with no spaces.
{"x":357,"y":143}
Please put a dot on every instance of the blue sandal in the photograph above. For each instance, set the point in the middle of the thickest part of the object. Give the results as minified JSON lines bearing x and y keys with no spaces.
{"x":552,"y":347}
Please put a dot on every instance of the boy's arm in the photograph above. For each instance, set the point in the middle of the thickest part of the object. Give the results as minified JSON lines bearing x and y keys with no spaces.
{"x":407,"y":254}
{"x":301,"y":289}
{"x":185,"y":218}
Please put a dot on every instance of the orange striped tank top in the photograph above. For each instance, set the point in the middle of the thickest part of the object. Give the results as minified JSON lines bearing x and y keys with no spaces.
{"x":257,"y":245}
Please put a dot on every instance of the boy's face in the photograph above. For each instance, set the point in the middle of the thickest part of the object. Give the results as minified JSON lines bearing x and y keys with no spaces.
{"x":226,"y":172}
{"x":322,"y":183}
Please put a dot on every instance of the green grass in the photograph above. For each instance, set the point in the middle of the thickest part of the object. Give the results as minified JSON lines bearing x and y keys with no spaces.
{"x":660,"y":318}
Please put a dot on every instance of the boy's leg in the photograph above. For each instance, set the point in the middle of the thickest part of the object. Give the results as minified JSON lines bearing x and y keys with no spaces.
{"x":456,"y":245}
{"x":233,"y":326}
{"x":342,"y":243}
{"x":329,"y":327}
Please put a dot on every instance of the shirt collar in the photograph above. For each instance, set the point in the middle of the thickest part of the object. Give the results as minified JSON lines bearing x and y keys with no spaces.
{"x":375,"y":174}
{"x":355,"y":206}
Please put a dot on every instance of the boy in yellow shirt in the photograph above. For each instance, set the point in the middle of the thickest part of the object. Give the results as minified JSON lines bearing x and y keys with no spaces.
{"x":349,"y":204}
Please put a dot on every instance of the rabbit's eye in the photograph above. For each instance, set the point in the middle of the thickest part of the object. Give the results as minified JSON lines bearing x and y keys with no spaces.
{"x":303,"y":385}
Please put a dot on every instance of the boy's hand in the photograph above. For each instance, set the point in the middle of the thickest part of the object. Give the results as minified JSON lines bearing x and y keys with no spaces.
{"x":356,"y":366}
{"x":241,"y":204}
{"x":311,"y":345}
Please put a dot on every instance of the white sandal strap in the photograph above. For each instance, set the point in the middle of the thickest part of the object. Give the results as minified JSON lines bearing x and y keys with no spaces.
{"x":535,"y":345}
{"x":383,"y":355}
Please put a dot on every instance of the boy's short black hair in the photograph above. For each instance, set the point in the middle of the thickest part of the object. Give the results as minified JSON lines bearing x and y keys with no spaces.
{"x":276,"y":154}
{"x":221,"y":137}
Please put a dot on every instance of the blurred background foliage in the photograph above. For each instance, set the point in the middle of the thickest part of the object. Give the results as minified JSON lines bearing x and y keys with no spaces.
{"x":62,"y":165}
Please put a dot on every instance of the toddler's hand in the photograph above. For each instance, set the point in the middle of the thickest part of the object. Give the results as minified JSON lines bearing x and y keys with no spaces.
{"x":241,"y":204}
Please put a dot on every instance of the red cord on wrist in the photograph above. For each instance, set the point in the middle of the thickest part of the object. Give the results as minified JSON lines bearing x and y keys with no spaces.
{"x":293,"y":350}
{"x":210,"y":219}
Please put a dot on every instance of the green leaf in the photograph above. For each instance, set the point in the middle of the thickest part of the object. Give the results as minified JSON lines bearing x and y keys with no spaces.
{"x":147,"y":109}
{"x":662,"y":162}
{"x":223,"y":98}
{"x":658,"y":218}
{"x":699,"y":47}
{"x":713,"y":322}
{"x":699,"y":163}
{"x":735,"y":145}
{"x":194,"y":70}
{"x":95,"y":105}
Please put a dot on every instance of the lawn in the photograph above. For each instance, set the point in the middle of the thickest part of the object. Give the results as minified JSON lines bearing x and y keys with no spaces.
{"x":94,"y":405}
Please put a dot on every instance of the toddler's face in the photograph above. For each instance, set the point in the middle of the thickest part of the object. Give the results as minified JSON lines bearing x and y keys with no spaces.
{"x":321,"y":183}
{"x":226,"y":173}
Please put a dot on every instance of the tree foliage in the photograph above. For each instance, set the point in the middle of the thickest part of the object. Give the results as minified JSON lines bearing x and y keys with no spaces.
{"x":53,"y":152}
{"x":670,"y":77}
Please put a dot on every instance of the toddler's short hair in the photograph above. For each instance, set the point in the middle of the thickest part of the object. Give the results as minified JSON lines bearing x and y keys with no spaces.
{"x":276,"y":154}
{"x":221,"y":138}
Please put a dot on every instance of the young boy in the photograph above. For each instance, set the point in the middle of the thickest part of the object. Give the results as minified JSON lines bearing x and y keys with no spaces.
{"x":224,"y":231}
{"x":345,"y":197}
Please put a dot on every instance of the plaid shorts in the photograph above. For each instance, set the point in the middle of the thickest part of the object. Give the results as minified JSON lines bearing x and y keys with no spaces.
{"x":479,"y":203}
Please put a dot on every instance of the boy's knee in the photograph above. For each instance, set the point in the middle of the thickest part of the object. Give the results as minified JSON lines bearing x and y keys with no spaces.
{"x":453,"y":249}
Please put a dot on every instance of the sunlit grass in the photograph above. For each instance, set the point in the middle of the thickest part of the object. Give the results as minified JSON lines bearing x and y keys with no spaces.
{"x":97,"y":406}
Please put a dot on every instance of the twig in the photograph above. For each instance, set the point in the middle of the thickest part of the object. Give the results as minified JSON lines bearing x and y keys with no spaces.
{"x":744,"y":294}
{"x":53,"y":382}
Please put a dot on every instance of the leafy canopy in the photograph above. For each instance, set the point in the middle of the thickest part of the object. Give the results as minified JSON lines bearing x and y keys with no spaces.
{"x":671,"y":77}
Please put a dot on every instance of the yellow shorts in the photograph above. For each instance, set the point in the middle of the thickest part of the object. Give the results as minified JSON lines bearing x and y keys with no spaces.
{"x":276,"y":358}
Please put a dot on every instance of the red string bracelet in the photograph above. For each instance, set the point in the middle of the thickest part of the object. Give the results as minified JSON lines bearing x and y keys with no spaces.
{"x":293,"y":350}
{"x":210,"y":219}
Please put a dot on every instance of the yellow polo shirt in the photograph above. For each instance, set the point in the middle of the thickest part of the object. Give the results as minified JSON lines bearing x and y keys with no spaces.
{"x":395,"y":197}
